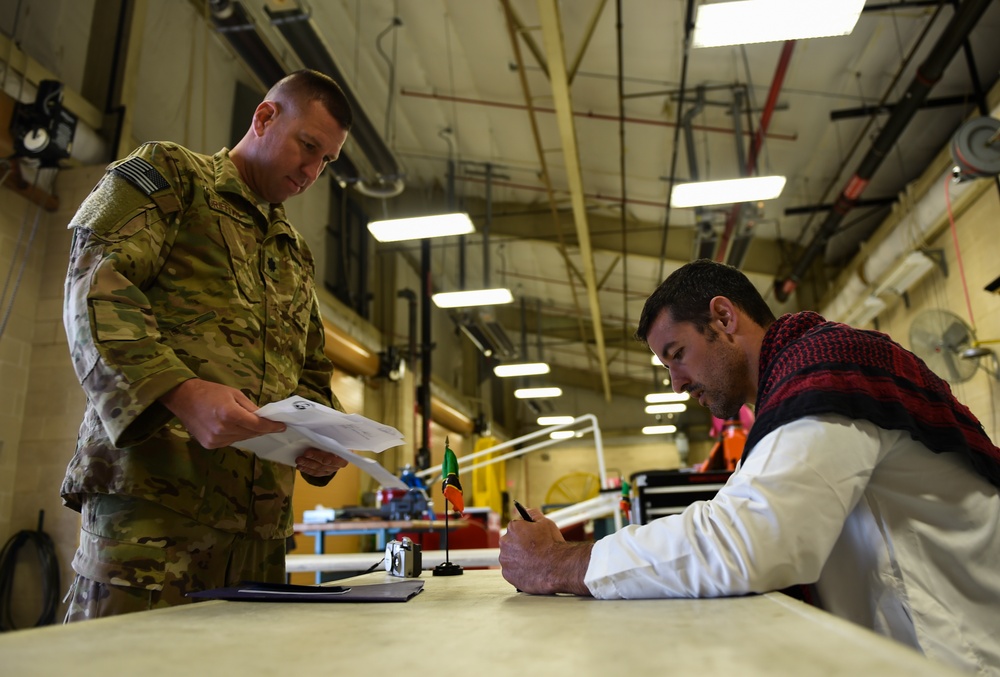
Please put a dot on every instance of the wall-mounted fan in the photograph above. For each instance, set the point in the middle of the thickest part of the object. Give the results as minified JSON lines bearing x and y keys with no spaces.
{"x":942,"y":340}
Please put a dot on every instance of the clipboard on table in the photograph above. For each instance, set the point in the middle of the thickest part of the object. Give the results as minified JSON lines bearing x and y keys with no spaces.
{"x":281,"y":592}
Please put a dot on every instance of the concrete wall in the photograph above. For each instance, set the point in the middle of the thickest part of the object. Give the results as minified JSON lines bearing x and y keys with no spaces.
{"x":976,"y":231}
{"x":41,"y":400}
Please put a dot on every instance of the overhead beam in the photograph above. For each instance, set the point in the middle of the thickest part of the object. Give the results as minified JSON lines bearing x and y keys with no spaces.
{"x":887,"y":108}
{"x":556,"y":58}
{"x":860,"y":204}
{"x":535,"y":223}
{"x":544,"y":175}
{"x":519,"y":221}
{"x":588,"y":34}
{"x":563,"y":328}
{"x":578,"y":378}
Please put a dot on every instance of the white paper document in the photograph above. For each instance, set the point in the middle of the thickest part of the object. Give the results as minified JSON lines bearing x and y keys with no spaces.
{"x":310,"y":424}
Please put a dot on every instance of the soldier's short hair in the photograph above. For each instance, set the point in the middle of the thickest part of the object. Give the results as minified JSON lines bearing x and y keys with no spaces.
{"x":308,"y":85}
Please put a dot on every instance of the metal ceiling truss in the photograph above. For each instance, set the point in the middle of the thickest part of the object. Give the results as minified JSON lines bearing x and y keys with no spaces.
{"x":558,"y":77}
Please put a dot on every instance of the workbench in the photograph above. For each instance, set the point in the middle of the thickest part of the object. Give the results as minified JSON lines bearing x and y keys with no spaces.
{"x":383,"y":530}
{"x":361,"y":561}
{"x":470,"y":624}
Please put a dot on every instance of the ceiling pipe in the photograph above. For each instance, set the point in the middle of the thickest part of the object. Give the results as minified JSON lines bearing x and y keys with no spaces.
{"x":589,"y":115}
{"x":704,"y":238}
{"x":928,"y":74}
{"x":920,"y":223}
{"x":739,"y":223}
{"x":554,"y":48}
{"x":864,"y":133}
{"x":758,"y":142}
{"x":622,"y":175}
{"x":590,"y":196}
{"x":233,"y":23}
{"x":688,"y":30}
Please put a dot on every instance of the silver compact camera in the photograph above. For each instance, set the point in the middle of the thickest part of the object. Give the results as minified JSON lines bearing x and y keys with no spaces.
{"x":402,"y":558}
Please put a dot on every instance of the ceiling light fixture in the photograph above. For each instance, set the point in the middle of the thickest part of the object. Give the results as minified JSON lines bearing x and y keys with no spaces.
{"x":532,"y":393}
{"x":727,"y":191}
{"x":751,"y":21}
{"x":655,"y":360}
{"x":472,"y":297}
{"x":672,"y":408}
{"x":659,"y":429}
{"x":421,"y":227}
{"x":660,"y":398}
{"x":562,"y":434}
{"x":522,"y":369}
{"x":554,"y":420}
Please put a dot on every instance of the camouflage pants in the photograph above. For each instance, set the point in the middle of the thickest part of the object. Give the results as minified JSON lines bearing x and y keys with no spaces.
{"x":136,"y":555}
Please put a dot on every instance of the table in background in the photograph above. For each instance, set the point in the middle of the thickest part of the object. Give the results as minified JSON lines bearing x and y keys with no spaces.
{"x":472,"y":624}
{"x":383,"y":530}
{"x":353,"y":562}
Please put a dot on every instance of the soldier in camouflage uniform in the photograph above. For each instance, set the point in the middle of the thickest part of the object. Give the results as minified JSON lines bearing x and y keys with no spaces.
{"x":190,"y":302}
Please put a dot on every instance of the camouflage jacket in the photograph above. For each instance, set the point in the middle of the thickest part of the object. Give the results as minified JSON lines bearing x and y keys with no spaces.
{"x":177,"y":270}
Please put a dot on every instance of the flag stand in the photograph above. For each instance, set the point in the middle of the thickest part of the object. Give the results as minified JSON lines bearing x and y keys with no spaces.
{"x":452,"y":490}
{"x":447,"y":568}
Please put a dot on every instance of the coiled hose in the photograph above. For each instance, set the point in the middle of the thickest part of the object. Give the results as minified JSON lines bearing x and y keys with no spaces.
{"x":49,"y":566}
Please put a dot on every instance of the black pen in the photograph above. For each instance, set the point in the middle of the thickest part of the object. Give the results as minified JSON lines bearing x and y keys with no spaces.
{"x":524,"y":513}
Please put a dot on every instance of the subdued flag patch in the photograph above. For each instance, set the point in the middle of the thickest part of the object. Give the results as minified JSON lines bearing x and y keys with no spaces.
{"x":142,"y":175}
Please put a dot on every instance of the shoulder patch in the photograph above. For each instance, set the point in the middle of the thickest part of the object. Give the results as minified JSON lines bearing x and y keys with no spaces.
{"x":142,"y":175}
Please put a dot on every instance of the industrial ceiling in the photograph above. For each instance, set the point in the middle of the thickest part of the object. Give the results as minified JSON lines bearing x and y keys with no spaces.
{"x":562,"y":126}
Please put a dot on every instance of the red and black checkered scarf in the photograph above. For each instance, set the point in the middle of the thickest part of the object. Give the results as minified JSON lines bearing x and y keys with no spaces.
{"x":809,"y":366}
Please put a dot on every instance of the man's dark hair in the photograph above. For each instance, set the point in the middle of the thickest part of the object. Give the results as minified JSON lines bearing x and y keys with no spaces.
{"x":687,"y":291}
{"x":308,"y":85}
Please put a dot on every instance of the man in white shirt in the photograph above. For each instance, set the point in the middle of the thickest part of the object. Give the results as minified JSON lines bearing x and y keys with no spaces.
{"x":862,"y":475}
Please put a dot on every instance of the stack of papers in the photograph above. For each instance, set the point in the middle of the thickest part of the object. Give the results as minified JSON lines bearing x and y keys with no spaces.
{"x":311,"y":424}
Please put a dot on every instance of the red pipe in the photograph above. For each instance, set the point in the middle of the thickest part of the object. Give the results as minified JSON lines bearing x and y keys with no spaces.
{"x":758,"y":141}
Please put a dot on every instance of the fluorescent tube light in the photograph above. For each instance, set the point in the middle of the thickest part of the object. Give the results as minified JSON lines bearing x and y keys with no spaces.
{"x":672,"y":408}
{"x":531,"y":393}
{"x":728,"y":191}
{"x":562,"y":434}
{"x":522,"y":369}
{"x":421,"y":227}
{"x":660,"y":398}
{"x":659,"y":429}
{"x":907,"y":273}
{"x":472,"y":297}
{"x":655,"y":361}
{"x":752,"y":21}
{"x":554,"y":420}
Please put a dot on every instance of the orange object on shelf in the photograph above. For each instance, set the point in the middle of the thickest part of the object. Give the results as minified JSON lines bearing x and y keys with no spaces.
{"x":728,"y":450}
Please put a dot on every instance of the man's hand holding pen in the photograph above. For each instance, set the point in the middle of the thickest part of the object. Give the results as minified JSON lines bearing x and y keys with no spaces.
{"x":535,"y":558}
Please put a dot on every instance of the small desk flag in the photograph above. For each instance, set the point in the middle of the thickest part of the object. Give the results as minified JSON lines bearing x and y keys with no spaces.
{"x":450,"y":486}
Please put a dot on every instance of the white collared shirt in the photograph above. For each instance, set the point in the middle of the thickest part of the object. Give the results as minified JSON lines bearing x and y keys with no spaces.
{"x":897,"y":538}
